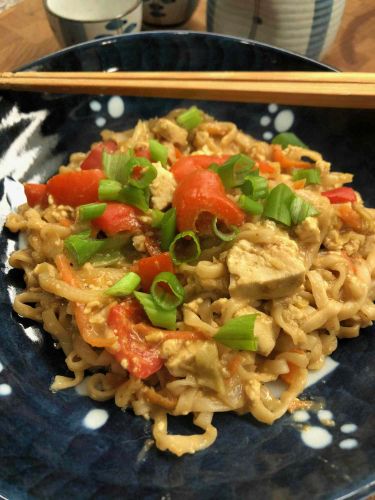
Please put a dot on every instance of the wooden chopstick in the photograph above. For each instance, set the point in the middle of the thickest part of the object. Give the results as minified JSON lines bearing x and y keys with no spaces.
{"x":330,"y":89}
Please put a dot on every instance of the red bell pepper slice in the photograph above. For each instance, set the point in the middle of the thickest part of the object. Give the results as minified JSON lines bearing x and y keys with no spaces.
{"x":340,"y":195}
{"x":202,"y":192}
{"x":36,"y":194}
{"x":75,"y":188}
{"x":141,"y":360}
{"x":118,"y":217}
{"x":149,"y":267}
{"x":94,"y":158}
{"x":188,"y":164}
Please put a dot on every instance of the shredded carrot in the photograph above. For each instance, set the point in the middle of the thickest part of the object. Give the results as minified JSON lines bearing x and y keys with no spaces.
{"x":66,"y":222}
{"x":349,"y":261}
{"x":177,"y":153}
{"x":158,"y":399}
{"x":293,"y":369}
{"x":350,"y":217}
{"x":299,"y":184}
{"x":266,"y":168}
{"x":287,"y":163}
{"x":291,"y":375}
{"x":234,"y":363}
{"x":85,"y":328}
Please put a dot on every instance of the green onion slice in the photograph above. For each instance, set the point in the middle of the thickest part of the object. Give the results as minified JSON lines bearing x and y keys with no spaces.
{"x":250,"y":206}
{"x":125,"y":286}
{"x":185,"y":248}
{"x":288,"y":138}
{"x":300,"y":209}
{"x":190,"y":118}
{"x":167,"y":291}
{"x":134,"y":196}
{"x":91,"y":211}
{"x":109,"y":189}
{"x":234,"y":171}
{"x":115,"y":166}
{"x":81,"y":249}
{"x":238,"y":333}
{"x":224,"y":236}
{"x":156,"y":217}
{"x":312,"y":175}
{"x":255,"y":186}
{"x":158,"y":316}
{"x":106,"y":259}
{"x":147,"y":172}
{"x":115,"y":242}
{"x":158,"y":152}
{"x":277,"y":206}
{"x":167,"y":229}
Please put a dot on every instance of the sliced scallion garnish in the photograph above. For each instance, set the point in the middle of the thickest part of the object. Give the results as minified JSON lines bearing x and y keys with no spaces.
{"x":234,"y":171}
{"x":81,"y":249}
{"x":288,"y":138}
{"x":109,"y":189}
{"x":91,"y":211}
{"x":277,"y":205}
{"x":125,"y":286}
{"x":156,"y":217}
{"x":238,"y":333}
{"x":250,"y":206}
{"x":158,"y":316}
{"x":167,"y":228}
{"x":135,"y":197}
{"x":141,"y":172}
{"x":158,"y":152}
{"x":255,"y":186}
{"x":167,"y":291}
{"x":190,"y":119}
{"x":115,"y":166}
{"x":104,"y":259}
{"x":300,"y":209}
{"x":312,"y":175}
{"x":185,"y":248}
{"x":220,"y":234}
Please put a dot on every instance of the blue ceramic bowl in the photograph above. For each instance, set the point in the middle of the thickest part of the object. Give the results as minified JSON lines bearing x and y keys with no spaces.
{"x":46,"y":450}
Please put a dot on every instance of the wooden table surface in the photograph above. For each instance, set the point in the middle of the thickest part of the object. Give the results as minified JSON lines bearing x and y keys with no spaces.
{"x":25,"y":35}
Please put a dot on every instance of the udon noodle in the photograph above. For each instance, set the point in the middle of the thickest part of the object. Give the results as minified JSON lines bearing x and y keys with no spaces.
{"x":309,"y":283}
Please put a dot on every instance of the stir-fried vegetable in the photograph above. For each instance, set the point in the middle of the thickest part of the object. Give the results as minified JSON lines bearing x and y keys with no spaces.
{"x":75,"y":188}
{"x":95,"y":158}
{"x":125,"y":286}
{"x":133,"y":352}
{"x":203,"y":192}
{"x":117,"y":217}
{"x":238,"y":333}
{"x":167,"y":291}
{"x":340,"y":195}
{"x":36,"y":194}
{"x":286,"y":139}
{"x":149,"y":267}
{"x":190,"y":119}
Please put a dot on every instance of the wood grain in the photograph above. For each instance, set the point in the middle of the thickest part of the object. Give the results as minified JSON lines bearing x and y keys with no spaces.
{"x":349,"y":90}
{"x":25,"y":35}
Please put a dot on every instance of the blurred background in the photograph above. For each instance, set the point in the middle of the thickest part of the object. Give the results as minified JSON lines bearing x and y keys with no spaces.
{"x":337,"y":32}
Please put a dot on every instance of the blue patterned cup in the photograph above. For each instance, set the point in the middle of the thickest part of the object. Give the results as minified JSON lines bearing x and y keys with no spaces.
{"x":305,"y":26}
{"x":76,"y":21}
{"x":167,"y":12}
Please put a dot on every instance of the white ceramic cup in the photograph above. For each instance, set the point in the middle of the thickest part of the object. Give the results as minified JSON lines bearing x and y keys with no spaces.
{"x":305,"y":26}
{"x":75,"y":21}
{"x":167,"y":12}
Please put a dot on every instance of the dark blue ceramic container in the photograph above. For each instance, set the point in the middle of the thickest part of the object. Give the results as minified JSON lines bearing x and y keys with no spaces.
{"x":47,"y":451}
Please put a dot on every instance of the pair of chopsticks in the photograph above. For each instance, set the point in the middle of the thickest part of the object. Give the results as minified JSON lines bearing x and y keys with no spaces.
{"x":349,"y":90}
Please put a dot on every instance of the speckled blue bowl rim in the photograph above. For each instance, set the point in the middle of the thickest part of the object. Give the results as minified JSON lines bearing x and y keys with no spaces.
{"x":204,"y":34}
